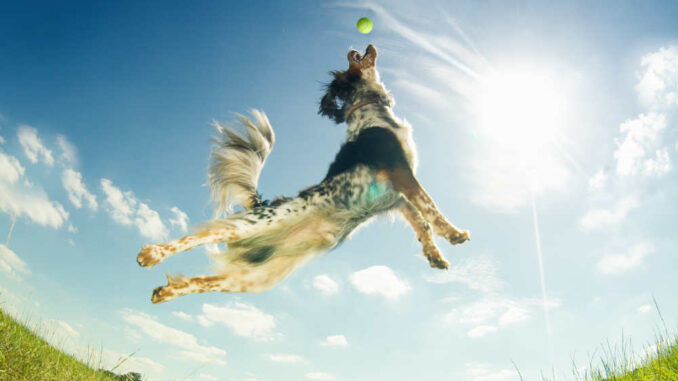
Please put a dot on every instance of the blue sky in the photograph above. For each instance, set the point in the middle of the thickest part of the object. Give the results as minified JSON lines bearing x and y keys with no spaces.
{"x":105,"y":115}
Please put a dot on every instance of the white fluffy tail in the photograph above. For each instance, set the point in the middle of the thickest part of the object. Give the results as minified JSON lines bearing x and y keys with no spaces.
{"x":236,"y":162}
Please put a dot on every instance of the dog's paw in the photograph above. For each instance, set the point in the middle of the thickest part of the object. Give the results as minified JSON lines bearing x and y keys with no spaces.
{"x":162,"y":294}
{"x":150,"y":255}
{"x":435,"y":258}
{"x":458,"y":236}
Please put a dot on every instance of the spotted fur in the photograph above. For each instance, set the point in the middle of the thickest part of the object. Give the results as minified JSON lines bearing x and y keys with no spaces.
{"x":372,"y":173}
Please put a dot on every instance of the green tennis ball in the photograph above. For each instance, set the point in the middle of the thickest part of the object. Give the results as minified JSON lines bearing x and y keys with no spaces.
{"x":364,"y":25}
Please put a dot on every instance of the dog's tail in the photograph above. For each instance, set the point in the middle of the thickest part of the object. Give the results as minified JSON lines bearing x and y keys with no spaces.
{"x":236,"y":162}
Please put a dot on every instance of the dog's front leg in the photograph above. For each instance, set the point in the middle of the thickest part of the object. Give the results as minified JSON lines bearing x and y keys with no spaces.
{"x":405,"y":182}
{"x":151,"y":255}
{"x":422,"y":230}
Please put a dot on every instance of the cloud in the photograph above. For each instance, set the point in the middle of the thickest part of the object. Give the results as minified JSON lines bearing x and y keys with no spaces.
{"x":69,"y":154}
{"x":130,"y":363}
{"x":379,"y":280}
{"x":285,"y":358}
{"x":10,"y":261}
{"x":18,"y":198}
{"x":476,"y":273}
{"x":598,"y":180}
{"x":77,"y":191}
{"x":644,"y":308}
{"x":126,"y":210}
{"x":600,"y":218}
{"x":65,"y":327}
{"x":325,"y":284}
{"x":180,"y":219}
{"x":495,"y":311}
{"x":187,"y":343}
{"x":481,"y":331}
{"x":617,"y":264}
{"x":319,"y":376}
{"x":183,"y":315}
{"x":640,"y":139}
{"x":658,"y":81}
{"x":335,"y":341}
{"x":243,"y":320}
{"x":483,"y":372}
{"x":32,"y":145}
{"x":10,"y":168}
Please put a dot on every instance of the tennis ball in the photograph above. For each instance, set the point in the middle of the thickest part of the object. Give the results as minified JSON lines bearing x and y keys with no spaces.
{"x":364,"y":25}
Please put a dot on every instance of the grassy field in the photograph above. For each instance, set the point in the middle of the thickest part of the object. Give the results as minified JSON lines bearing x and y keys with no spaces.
{"x":659,"y":363}
{"x":26,"y":357}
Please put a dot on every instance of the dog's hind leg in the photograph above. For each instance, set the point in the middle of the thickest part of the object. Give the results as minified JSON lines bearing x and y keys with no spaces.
{"x":405,"y":182}
{"x":422,"y":230}
{"x":151,"y":255}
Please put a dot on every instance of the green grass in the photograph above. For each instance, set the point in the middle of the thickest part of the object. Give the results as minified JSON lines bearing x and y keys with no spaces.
{"x":26,"y":357}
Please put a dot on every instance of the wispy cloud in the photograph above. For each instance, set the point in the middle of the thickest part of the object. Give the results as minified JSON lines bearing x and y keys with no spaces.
{"x":10,"y":262}
{"x":335,"y":341}
{"x":325,"y":284}
{"x":600,"y":218}
{"x":69,"y":154}
{"x":476,"y":273}
{"x":241,"y":318}
{"x":180,"y":219}
{"x":77,"y":190}
{"x":285,"y":358}
{"x":33,"y":148}
{"x":185,"y":342}
{"x":21,"y":199}
{"x":617,"y":264}
{"x":484,"y":372}
{"x":379,"y":280}
{"x":481,"y":331}
{"x":126,"y":210}
{"x":319,"y":376}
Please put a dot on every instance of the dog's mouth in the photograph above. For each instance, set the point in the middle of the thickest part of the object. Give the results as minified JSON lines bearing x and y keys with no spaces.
{"x":364,"y":61}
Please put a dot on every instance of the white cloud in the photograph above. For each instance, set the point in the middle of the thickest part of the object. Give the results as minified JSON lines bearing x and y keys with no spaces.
{"x":126,"y":210}
{"x":644,"y":308}
{"x":20,"y":201}
{"x":187,"y":343}
{"x":598,"y":180}
{"x":325,"y":284}
{"x":183,"y":315}
{"x":659,"y":165}
{"x":335,"y":341}
{"x":32,"y":145}
{"x":10,"y":261}
{"x":10,"y":168}
{"x":180,"y":219}
{"x":616,"y":264}
{"x":379,"y":280}
{"x":658,"y":82}
{"x":69,"y":154}
{"x":600,"y":218}
{"x":496,"y":311}
{"x":67,"y":328}
{"x":285,"y":358}
{"x":475,"y":273}
{"x":76,"y":189}
{"x":318,"y":376}
{"x":481,"y":331}
{"x":243,"y":320}
{"x":130,"y":363}
{"x":641,"y":137}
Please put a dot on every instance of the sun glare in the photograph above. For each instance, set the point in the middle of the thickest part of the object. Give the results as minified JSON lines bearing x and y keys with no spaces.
{"x":519,"y":110}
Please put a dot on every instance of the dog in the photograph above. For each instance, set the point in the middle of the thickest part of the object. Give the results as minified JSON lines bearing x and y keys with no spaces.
{"x":372,"y":173}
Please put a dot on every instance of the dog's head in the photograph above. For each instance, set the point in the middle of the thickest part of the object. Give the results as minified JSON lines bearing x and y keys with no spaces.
{"x":360,"y":81}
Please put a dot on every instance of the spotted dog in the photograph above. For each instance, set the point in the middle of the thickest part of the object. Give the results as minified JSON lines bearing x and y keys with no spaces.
{"x":372,"y":173}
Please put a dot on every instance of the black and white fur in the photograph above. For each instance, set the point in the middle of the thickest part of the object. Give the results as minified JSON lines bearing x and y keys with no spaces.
{"x":372,"y":173}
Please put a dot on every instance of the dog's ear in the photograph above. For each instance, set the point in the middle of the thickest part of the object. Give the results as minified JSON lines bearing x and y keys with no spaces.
{"x":330,"y":107}
{"x":329,"y":104}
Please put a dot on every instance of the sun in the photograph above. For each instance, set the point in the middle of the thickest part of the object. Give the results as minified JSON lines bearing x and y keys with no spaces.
{"x":519,"y":108}
{"x":520,"y":115}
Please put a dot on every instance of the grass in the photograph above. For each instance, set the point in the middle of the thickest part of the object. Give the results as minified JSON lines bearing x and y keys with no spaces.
{"x":657,"y":363}
{"x":26,"y":357}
